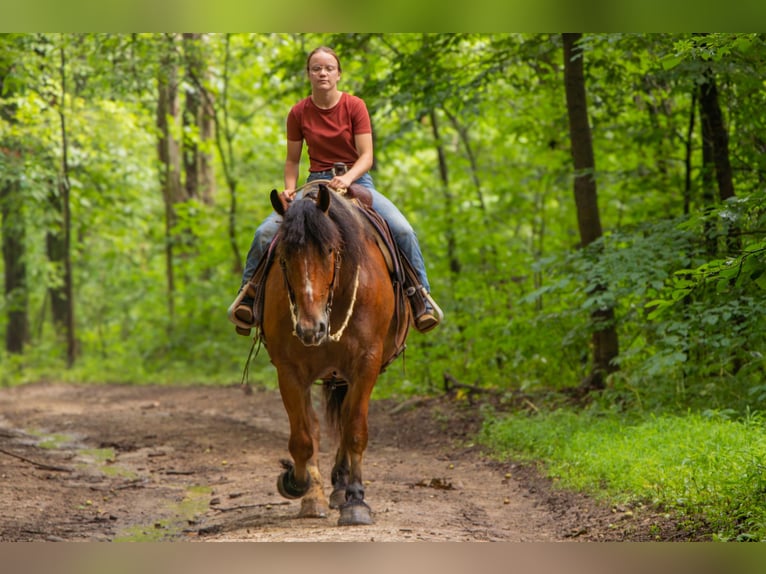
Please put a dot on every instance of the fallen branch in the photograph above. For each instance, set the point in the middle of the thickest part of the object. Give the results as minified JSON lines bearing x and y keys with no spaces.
{"x":246,"y":506}
{"x":135,"y":483}
{"x":451,"y":385}
{"x":39,"y":465}
{"x":508,"y":396}
{"x":409,"y":404}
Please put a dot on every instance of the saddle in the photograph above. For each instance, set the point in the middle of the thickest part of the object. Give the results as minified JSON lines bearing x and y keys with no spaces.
{"x":404,"y":280}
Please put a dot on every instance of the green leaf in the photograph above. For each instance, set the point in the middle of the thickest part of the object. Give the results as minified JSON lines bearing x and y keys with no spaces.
{"x":722,"y":286}
{"x":670,"y":62}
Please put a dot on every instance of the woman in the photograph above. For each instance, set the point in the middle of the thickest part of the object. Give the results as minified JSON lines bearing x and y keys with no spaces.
{"x":336,"y":128}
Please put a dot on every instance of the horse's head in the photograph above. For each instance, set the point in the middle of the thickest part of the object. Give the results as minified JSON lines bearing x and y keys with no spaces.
{"x":309,"y":254}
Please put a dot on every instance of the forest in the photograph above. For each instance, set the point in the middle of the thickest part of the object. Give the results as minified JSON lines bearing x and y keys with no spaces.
{"x":590,"y":208}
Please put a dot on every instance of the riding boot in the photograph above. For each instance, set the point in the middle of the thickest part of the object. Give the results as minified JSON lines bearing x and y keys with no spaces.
{"x":428,"y":315}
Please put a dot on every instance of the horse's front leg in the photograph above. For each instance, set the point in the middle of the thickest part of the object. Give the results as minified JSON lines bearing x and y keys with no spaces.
{"x":314,"y":503}
{"x":302,"y":479}
{"x":339,"y":477}
{"x":355,"y":511}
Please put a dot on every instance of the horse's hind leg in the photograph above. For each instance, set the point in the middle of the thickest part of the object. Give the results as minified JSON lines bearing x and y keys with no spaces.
{"x":303,"y":479}
{"x":335,"y":392}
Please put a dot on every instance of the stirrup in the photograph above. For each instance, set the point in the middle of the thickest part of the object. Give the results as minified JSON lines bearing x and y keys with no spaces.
{"x":233,"y":307}
{"x":437,"y":310}
{"x":436,"y":314}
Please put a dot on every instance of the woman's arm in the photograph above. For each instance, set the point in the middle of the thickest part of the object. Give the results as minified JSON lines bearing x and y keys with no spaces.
{"x":292,"y":166}
{"x":361,"y":166}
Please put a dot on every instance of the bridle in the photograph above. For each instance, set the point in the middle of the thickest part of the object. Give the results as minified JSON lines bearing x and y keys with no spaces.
{"x":328,"y":306}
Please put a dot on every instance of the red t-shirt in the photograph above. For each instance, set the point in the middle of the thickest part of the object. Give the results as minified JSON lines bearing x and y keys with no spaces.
{"x":329,"y":134}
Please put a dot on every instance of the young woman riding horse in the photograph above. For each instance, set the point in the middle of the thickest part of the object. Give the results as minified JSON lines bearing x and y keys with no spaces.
{"x":337,"y":129}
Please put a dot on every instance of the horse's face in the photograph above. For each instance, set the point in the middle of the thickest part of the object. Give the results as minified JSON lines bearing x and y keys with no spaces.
{"x":310,"y":257}
{"x":310,"y":275}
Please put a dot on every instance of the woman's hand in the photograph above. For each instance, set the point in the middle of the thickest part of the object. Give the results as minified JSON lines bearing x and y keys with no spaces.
{"x":288,"y":195}
{"x":341,"y":182}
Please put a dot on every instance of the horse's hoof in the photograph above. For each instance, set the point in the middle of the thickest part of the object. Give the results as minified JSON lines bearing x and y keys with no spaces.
{"x":355,"y":514}
{"x":286,"y":484}
{"x":338,"y":498}
{"x":312,"y":508}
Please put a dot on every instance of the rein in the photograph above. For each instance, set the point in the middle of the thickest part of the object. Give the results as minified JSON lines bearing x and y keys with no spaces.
{"x":312,"y":183}
{"x":316,"y":182}
{"x":336,"y":337}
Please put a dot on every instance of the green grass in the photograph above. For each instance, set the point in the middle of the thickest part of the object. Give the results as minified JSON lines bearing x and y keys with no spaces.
{"x":704,"y":468}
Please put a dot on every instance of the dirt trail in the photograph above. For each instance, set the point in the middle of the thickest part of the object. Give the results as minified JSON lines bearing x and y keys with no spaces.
{"x":200,"y":463}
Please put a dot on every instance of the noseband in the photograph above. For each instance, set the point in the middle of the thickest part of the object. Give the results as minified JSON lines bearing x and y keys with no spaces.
{"x":328,"y":307}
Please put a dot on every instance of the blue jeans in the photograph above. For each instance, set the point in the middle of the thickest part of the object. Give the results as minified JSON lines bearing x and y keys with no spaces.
{"x":401,"y":230}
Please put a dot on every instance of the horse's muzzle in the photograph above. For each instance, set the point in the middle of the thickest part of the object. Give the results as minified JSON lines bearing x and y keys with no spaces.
{"x":312,"y":334}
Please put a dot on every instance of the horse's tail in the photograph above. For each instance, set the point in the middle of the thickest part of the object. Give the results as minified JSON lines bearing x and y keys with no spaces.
{"x":334,"y":393}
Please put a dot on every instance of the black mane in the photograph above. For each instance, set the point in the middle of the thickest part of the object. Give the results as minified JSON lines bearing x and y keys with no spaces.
{"x":305,"y":224}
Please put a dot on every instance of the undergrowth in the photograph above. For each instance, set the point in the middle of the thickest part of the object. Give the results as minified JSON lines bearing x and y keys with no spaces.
{"x":703,"y":467}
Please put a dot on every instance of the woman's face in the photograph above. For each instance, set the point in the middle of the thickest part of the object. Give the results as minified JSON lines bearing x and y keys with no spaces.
{"x":323,"y":71}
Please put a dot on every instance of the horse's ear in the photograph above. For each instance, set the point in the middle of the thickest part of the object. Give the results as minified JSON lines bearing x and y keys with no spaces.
{"x":323,"y":200}
{"x":278,"y":202}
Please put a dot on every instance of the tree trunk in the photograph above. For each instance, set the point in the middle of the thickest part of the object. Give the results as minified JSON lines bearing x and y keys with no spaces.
{"x":712,"y":118}
{"x":56,"y":251}
{"x":466,"y":141}
{"x":716,"y":138}
{"x":454,"y":262}
{"x":13,"y":246}
{"x":170,"y":162}
{"x":605,"y":343}
{"x":689,"y":147}
{"x":191,"y":157}
{"x":716,"y":141}
{"x":206,"y":131}
{"x":65,"y":188}
{"x":198,"y":124}
{"x":708,"y":187}
{"x":224,"y":140}
{"x":12,"y":233}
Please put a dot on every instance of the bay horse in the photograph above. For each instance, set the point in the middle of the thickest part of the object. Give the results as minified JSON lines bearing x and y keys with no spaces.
{"x":329,"y":316}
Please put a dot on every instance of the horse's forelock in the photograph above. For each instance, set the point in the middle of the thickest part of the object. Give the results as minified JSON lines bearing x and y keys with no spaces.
{"x":305,"y":223}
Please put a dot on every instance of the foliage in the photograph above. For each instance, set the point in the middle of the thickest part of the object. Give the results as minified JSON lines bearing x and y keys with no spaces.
{"x":705,"y":467}
{"x":497,"y":228}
